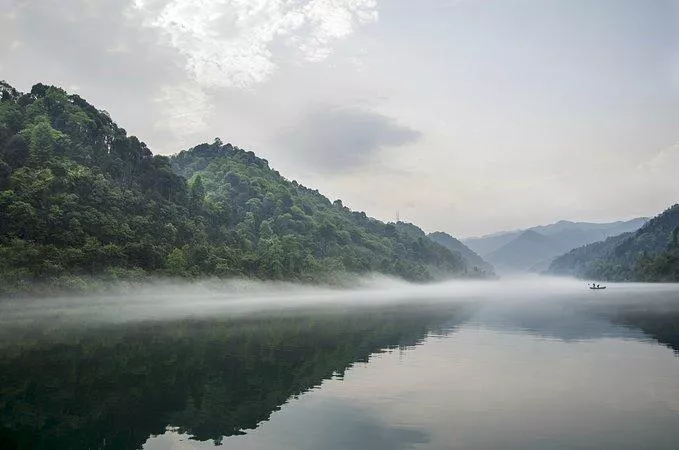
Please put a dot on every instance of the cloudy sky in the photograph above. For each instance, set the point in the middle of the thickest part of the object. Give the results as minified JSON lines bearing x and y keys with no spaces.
{"x":468,"y":116}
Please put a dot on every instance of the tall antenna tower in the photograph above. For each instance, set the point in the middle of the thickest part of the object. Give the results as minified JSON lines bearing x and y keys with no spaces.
{"x":398,"y":216}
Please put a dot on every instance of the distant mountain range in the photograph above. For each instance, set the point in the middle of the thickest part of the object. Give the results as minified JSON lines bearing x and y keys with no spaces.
{"x":473,"y":260}
{"x":650,"y":253}
{"x":534,"y":249}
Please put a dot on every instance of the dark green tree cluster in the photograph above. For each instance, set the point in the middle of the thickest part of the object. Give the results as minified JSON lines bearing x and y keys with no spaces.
{"x":663,"y":266}
{"x":588,"y":259}
{"x":80,"y":198}
{"x":279,"y":229}
{"x":650,"y":254}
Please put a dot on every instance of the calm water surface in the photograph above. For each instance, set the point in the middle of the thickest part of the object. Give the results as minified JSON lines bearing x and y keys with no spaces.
{"x":457,"y":368}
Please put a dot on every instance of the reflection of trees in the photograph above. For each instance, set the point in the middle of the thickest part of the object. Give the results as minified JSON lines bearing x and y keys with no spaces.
{"x":663,"y":326}
{"x":114,"y":388}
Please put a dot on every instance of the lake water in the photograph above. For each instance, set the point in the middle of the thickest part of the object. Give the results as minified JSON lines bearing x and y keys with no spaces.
{"x":537,"y":364}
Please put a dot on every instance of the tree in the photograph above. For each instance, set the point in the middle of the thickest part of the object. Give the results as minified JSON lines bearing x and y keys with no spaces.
{"x":265,"y":230}
{"x":16,"y":151}
{"x":5,"y":172}
{"x":177,"y":261}
{"x":41,"y":145}
{"x":197,"y":191}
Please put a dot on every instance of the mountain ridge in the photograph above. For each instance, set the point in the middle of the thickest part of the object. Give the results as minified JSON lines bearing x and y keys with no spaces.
{"x":82,"y":200}
{"x":522,"y":251}
{"x":475,"y":262}
{"x":651,"y":253}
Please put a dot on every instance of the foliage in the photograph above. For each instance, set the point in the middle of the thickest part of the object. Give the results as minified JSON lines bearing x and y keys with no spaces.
{"x":586,"y":259}
{"x":80,"y":198}
{"x":476,"y":266}
{"x":281,"y":229}
{"x":650,"y":254}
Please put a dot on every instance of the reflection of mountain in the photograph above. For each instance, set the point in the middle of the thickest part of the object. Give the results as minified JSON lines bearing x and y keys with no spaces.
{"x":579,"y":322}
{"x":663,"y":326}
{"x":113,"y":388}
{"x":553,"y":321}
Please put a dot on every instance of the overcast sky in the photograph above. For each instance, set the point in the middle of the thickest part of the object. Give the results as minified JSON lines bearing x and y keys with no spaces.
{"x":467,"y":116}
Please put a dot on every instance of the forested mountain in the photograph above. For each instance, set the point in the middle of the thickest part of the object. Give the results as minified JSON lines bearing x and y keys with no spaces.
{"x":535,"y":248}
{"x":577,"y":261}
{"x":649,"y":254}
{"x":474,"y":262}
{"x":80,"y":198}
{"x":278,"y":228}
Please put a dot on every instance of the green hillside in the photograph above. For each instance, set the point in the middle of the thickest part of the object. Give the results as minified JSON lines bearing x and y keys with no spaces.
{"x":80,"y":199}
{"x":580,"y":261}
{"x":281,"y":229}
{"x":649,"y":254}
{"x":475,"y":264}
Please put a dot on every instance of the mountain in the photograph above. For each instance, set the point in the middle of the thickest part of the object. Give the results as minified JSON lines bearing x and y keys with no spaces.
{"x":474,"y":262}
{"x":523,"y":252}
{"x":283,"y":229}
{"x":649,"y":254}
{"x":485,"y":245}
{"x":534,"y":249}
{"x":577,"y":262}
{"x":81,"y":200}
{"x":592,"y":230}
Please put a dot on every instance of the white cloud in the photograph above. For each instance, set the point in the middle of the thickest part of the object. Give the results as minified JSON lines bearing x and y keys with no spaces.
{"x":229,"y":42}
{"x":665,"y":161}
{"x":185,"y":109}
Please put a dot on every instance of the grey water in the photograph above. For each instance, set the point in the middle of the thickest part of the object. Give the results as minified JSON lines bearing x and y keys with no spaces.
{"x":524,"y":364}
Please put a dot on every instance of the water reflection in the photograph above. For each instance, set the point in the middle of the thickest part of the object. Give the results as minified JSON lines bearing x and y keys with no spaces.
{"x":658,"y":321}
{"x":114,"y":387}
{"x":516,"y":372}
{"x":565,"y":374}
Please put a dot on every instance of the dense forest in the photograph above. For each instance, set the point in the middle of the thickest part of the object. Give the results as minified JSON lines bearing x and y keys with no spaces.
{"x":649,"y":254}
{"x":80,"y":199}
{"x":577,"y":262}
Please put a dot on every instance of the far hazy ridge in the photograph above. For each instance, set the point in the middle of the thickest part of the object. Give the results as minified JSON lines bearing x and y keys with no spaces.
{"x":534,"y":249}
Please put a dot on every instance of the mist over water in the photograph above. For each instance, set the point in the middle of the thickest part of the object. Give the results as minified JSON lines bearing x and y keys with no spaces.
{"x":165,"y":300}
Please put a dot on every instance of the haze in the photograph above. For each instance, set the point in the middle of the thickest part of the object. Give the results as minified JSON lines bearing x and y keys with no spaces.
{"x":464,"y":116}
{"x":172,"y":300}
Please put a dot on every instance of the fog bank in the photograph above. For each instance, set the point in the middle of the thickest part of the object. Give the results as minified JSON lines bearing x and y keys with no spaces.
{"x":166,"y":300}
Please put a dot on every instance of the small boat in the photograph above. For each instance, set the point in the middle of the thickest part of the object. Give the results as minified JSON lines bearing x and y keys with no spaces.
{"x":597,"y":287}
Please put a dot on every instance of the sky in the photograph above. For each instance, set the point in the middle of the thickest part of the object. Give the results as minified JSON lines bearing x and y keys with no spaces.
{"x":465,"y":116}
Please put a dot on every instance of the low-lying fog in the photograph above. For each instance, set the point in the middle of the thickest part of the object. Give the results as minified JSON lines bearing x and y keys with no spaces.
{"x":174,"y":300}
